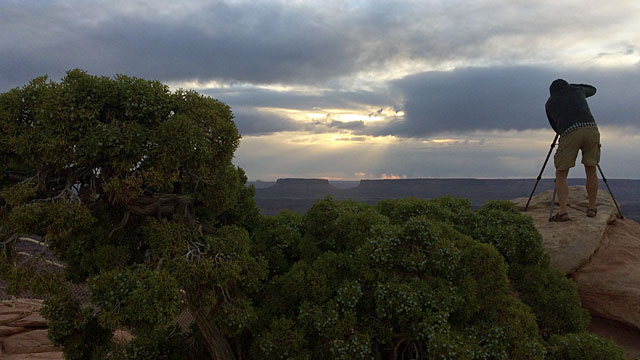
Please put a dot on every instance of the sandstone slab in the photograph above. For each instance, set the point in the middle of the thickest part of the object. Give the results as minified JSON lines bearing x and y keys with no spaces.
{"x":53,"y":355}
{"x":10,"y":330}
{"x":20,"y":305}
{"x":609,"y":285}
{"x":35,"y":341}
{"x":34,"y":320}
{"x":8,"y":318}
{"x":570,"y":244}
{"x":626,"y":337}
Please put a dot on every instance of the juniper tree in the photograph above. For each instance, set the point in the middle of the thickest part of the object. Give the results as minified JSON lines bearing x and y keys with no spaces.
{"x":132,"y":187}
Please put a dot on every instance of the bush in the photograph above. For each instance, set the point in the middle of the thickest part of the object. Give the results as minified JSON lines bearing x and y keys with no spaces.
{"x":582,"y":346}
{"x":418,"y":287}
{"x":75,"y":328}
{"x":434,"y":279}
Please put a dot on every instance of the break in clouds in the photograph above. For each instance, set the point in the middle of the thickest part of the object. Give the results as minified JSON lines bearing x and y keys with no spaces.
{"x":458,"y":101}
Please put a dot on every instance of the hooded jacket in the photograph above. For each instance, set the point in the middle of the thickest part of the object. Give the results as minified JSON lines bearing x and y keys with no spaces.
{"x":567,"y":108}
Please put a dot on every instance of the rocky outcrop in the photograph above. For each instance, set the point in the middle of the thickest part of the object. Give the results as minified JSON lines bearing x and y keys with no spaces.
{"x":602,"y":254}
{"x":23,"y":332}
{"x":609,"y":284}
{"x":571,"y":244}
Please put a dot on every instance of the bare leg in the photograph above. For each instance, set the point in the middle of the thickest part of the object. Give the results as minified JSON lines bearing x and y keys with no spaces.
{"x":592,"y":185}
{"x":562,"y":187}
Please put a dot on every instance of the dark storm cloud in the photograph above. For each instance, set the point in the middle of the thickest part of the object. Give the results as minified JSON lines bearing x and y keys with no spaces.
{"x":269,"y":41}
{"x":253,"y":122}
{"x":503,"y":98}
{"x":471,"y":99}
{"x":298,"y":99}
{"x":252,"y":42}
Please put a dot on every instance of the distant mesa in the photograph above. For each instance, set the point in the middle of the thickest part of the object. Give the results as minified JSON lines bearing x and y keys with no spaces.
{"x":299,"y":188}
{"x":301,"y":182}
{"x":299,"y":194}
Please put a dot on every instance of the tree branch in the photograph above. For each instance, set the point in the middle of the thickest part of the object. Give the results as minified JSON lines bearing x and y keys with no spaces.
{"x":27,"y":239}
{"x":159,"y":204}
{"x":123,"y":223}
{"x":45,"y":260}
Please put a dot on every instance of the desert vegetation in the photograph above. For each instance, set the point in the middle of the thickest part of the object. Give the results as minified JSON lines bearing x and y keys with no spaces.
{"x":132,"y":187}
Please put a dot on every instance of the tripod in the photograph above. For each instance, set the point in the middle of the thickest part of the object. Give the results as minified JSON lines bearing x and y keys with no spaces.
{"x":553,"y":144}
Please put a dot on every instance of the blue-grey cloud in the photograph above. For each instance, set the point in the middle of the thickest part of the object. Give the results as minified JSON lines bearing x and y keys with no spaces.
{"x":278,"y":41}
{"x":253,"y":122}
{"x":503,"y":98}
{"x":299,"y":99}
{"x":254,"y":42}
{"x":472,"y":99}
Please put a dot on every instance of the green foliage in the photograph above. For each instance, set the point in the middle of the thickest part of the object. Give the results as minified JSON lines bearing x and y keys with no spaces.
{"x":277,"y":239}
{"x":136,"y":298}
{"x":244,"y":212}
{"x":55,"y":220}
{"x":75,"y":328}
{"x":582,"y":346}
{"x":430,"y":279}
{"x":18,"y":193}
{"x":338,"y":226}
{"x":419,"y":287}
{"x":132,"y":187}
{"x":30,"y":277}
{"x":553,"y":298}
{"x":442,"y":209}
{"x":514,"y":235}
{"x":168,"y":343}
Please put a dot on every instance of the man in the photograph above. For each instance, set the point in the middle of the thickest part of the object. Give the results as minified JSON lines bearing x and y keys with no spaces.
{"x":571,"y":118}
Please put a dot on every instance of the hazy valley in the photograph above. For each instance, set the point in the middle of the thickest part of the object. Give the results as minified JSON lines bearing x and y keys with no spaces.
{"x":298,"y":195}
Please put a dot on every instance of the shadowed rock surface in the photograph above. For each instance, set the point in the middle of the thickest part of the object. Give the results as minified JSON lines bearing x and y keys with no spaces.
{"x":23,"y":332}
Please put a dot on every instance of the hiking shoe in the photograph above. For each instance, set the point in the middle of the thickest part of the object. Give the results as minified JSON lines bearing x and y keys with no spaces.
{"x":592,"y":212}
{"x":560,"y":217}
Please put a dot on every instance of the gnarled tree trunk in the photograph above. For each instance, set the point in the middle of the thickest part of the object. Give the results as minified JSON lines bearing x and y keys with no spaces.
{"x":216,"y":342}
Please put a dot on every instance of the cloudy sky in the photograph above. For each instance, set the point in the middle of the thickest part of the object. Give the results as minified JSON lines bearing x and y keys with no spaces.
{"x":344,"y":89}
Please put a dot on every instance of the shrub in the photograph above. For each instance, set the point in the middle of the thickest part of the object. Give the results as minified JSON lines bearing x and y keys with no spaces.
{"x":582,"y":346}
{"x":419,"y":288}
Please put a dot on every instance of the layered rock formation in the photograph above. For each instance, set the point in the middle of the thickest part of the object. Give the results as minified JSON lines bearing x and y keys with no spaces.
{"x":602,"y":254}
{"x":23,"y":332}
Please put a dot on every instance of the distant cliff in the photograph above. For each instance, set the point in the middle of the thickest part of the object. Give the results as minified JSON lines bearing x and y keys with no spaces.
{"x":298,"y":194}
{"x":293,"y":188}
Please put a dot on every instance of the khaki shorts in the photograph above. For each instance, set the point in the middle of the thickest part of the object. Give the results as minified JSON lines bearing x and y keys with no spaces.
{"x":586,"y":139}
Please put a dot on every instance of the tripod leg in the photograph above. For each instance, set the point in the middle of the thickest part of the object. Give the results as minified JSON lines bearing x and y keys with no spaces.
{"x":553,"y":200}
{"x":553,"y":144}
{"x":610,"y":193}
